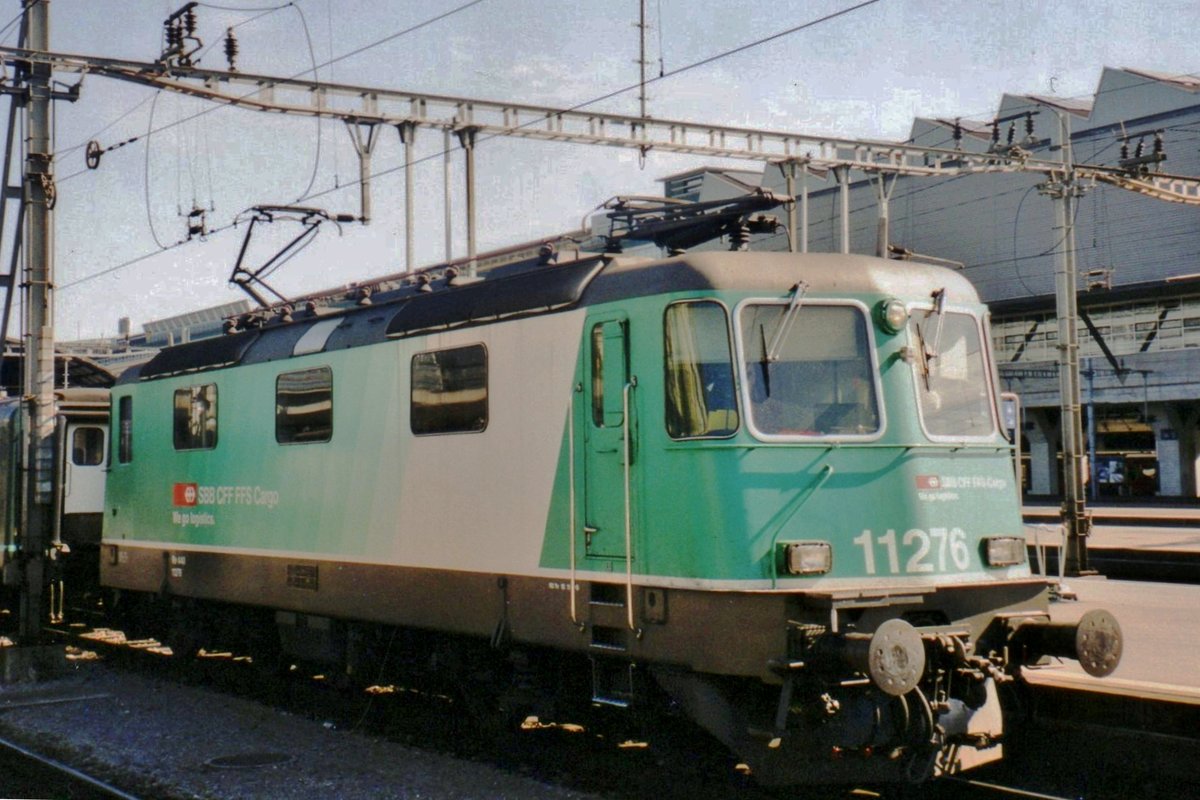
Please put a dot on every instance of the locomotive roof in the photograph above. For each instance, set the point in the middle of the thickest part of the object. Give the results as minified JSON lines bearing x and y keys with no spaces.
{"x":457,"y":302}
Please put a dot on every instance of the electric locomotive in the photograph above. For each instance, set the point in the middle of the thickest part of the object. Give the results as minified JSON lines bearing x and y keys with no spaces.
{"x":769,"y":487}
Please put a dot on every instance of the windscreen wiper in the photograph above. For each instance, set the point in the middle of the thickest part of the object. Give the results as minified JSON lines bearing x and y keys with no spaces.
{"x":771,"y":355}
{"x":925,"y":352}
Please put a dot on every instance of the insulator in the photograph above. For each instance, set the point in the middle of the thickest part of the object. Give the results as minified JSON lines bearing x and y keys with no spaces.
{"x":92,"y":154}
{"x":957,"y":132}
{"x":1158,"y":144}
{"x":996,"y":132}
{"x":1029,"y":123}
{"x":739,"y":237}
{"x":189,"y":21}
{"x":174,"y":35}
{"x":231,"y":49}
{"x":1012,"y":132}
{"x":1125,"y":150}
{"x":1141,"y":148}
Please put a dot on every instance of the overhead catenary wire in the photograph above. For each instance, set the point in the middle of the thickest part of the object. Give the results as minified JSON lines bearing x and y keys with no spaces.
{"x":441,"y":153}
{"x":8,"y":27}
{"x":146,"y":181}
{"x":313,"y":69}
{"x":988,"y":116}
{"x":634,"y":86}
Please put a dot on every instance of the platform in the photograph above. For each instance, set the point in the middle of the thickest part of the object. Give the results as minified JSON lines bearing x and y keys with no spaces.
{"x":1160,"y":627}
{"x":1121,"y":514}
{"x":1126,"y":551}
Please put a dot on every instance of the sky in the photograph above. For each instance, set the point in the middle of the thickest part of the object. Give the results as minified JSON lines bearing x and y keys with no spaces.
{"x":865,"y":74}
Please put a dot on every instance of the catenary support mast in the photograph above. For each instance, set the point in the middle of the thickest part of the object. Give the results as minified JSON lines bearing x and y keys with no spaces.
{"x":38,"y":297}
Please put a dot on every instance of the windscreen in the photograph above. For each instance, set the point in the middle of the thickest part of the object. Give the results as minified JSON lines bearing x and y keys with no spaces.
{"x":817,"y":379}
{"x":952,"y":381}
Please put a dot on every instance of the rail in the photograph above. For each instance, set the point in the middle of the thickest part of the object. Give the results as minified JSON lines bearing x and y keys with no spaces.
{"x":69,"y":773}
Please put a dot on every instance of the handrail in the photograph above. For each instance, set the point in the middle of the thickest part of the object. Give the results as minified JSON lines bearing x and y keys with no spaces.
{"x":571,"y":495}
{"x":628,"y":523}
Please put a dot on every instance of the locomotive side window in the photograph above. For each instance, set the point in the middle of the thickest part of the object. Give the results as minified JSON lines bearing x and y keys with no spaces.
{"x":598,"y":375}
{"x":304,"y":406}
{"x":698,"y":359}
{"x":87,"y":447}
{"x":124,"y":430}
{"x":610,"y":371}
{"x":952,"y":375}
{"x":195,"y":425}
{"x":817,"y":379}
{"x":450,"y":391}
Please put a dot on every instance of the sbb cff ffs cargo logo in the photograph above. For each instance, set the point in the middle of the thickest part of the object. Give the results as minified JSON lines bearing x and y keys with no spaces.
{"x":185,"y":494}
{"x":929,"y":482}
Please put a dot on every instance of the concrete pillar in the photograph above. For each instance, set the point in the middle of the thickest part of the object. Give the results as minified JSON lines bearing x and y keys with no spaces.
{"x":1175,"y":444}
{"x":1041,"y":429}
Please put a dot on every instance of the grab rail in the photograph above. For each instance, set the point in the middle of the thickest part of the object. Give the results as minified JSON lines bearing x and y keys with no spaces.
{"x":571,"y":498}
{"x":628,"y":517}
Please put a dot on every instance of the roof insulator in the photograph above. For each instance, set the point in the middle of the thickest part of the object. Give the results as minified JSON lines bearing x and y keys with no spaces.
{"x":231,"y":49}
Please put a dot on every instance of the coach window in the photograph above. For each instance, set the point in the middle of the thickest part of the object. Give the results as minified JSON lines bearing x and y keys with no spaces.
{"x":699,"y":389}
{"x":196,"y":417}
{"x":304,"y":406}
{"x":87,"y":446}
{"x":450,"y":391}
{"x":124,"y":430}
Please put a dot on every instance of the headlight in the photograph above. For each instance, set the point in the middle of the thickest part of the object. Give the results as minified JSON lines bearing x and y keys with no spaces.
{"x":807,"y":558}
{"x":892,"y":315}
{"x":1005,"y":551}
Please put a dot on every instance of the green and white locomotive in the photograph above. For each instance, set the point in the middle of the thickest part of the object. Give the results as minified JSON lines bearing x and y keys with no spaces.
{"x":770,"y":487}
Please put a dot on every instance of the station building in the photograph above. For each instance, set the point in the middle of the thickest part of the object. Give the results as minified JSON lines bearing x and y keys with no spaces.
{"x":1138,"y":259}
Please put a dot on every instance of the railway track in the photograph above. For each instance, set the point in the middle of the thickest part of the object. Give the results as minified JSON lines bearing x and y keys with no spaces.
{"x":25,"y":773}
{"x":610,"y":756}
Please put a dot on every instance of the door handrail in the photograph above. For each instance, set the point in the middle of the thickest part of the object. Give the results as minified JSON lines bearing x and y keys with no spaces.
{"x":572,"y":499}
{"x":625,"y":392}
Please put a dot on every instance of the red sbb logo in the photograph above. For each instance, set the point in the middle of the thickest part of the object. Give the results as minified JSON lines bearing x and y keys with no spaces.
{"x":929,"y":482}
{"x":185,"y":494}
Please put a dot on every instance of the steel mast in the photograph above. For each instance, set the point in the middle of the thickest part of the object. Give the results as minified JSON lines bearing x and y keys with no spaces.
{"x":38,"y":300}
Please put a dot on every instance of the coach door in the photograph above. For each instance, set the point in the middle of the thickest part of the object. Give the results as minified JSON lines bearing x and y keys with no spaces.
{"x":607,"y":439}
{"x":83,"y":472}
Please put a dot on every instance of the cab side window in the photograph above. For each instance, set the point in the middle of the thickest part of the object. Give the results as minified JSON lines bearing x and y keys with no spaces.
{"x":699,"y":390}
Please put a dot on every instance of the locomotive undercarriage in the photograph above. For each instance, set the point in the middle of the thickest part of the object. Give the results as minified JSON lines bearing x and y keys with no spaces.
{"x":869,"y":695}
{"x":884,"y":685}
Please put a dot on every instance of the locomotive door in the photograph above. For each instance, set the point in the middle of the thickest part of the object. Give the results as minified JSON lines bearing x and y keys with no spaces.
{"x":604,"y":422}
